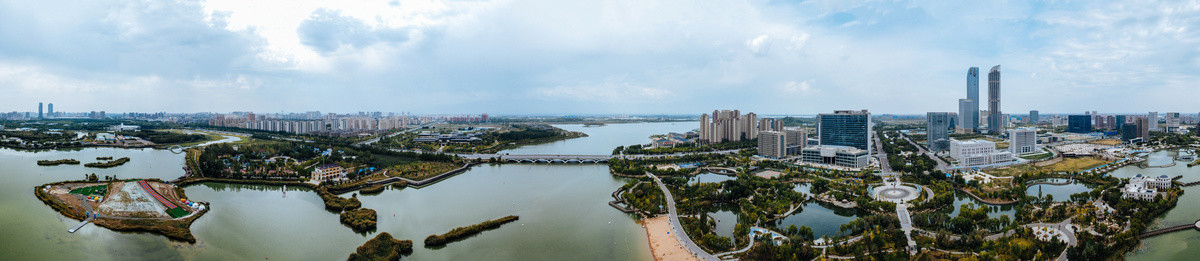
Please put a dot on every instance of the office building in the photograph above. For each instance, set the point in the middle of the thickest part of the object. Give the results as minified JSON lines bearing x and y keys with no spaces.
{"x":1033,"y":117}
{"x":772,"y":144}
{"x":936,"y":126}
{"x":50,"y":110}
{"x":970,"y":113}
{"x":1143,"y":128}
{"x":996,"y":122}
{"x":968,"y":119}
{"x":1152,"y":118}
{"x":1079,"y":124}
{"x":1023,"y":140}
{"x":1129,"y":132}
{"x":977,"y":153}
{"x":726,"y":125}
{"x":843,"y":156}
{"x":1173,"y":120}
{"x":40,"y":113}
{"x":1121,"y":121}
{"x":845,"y":128}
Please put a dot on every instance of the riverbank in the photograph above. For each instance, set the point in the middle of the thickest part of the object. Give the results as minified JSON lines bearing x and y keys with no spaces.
{"x":664,"y":245}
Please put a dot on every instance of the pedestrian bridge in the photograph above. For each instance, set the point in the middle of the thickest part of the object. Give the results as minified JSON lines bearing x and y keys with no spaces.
{"x":554,"y":159}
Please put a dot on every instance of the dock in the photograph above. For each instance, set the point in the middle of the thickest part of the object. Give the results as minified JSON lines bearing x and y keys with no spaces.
{"x":81,"y":224}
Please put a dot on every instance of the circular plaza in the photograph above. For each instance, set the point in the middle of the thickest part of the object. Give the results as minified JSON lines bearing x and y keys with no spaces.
{"x":896,"y":193}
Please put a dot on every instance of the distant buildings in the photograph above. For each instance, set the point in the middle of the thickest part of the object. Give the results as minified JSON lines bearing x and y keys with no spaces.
{"x":327,"y":124}
{"x":50,"y":109}
{"x":1023,"y":140}
{"x":977,"y":153}
{"x":1033,"y":117}
{"x":1129,"y":132}
{"x":845,"y":128}
{"x":843,"y":156}
{"x":41,"y":115}
{"x":1143,"y":128}
{"x":123,"y":127}
{"x":1152,"y":118}
{"x":996,"y":121}
{"x":1173,"y":120}
{"x":1079,"y":124}
{"x":772,"y":144}
{"x":726,"y":125}
{"x":936,"y":126}
{"x":770,"y":124}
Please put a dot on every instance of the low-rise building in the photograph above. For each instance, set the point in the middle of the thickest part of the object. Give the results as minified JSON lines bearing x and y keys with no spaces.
{"x":1145,"y":188}
{"x":977,"y":152}
{"x":843,"y":156}
{"x":328,"y":172}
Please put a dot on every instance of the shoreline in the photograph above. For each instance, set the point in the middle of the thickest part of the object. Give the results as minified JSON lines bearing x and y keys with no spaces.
{"x":663,"y":245}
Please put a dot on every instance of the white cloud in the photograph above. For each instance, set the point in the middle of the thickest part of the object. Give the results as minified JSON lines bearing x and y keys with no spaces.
{"x":759,"y":45}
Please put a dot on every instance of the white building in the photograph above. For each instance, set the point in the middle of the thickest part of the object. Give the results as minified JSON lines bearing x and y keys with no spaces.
{"x":844,"y":156}
{"x":123,"y":127}
{"x":106,"y":136}
{"x":1023,"y":140}
{"x":977,"y":152}
{"x":772,"y":144}
{"x":1145,"y":188}
{"x":328,"y":172}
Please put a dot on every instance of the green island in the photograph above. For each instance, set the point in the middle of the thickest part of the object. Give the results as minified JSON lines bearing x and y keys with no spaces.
{"x":125,"y":205}
{"x":57,"y":162}
{"x":361,"y":219}
{"x":104,"y":158}
{"x":460,"y":233}
{"x":382,"y":247}
{"x":83,"y":133}
{"x":490,"y":138}
{"x":108,"y":164}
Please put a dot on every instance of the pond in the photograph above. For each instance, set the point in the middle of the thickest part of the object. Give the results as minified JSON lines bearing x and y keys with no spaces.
{"x":1061,"y":193}
{"x":709,"y":178}
{"x":823,"y":221}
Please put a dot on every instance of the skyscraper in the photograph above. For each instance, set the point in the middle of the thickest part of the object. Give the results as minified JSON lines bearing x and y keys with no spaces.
{"x":1079,"y":124}
{"x":971,"y":113}
{"x":845,"y":128}
{"x":996,"y":121}
{"x":936,"y":125}
{"x":1033,"y":117}
{"x":40,"y":114}
{"x":1152,"y":119}
{"x":968,"y":115}
{"x":50,"y":109}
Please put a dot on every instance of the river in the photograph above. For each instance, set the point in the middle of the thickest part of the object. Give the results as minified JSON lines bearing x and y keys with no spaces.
{"x":563,"y":209}
{"x":1182,"y":245}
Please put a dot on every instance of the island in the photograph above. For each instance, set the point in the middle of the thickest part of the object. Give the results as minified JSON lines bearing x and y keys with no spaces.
{"x":108,"y":164}
{"x":57,"y":162}
{"x":382,"y":247}
{"x":464,"y":232}
{"x":125,"y":205}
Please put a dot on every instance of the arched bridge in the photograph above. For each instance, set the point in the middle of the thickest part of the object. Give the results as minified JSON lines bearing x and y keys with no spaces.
{"x":559,"y":159}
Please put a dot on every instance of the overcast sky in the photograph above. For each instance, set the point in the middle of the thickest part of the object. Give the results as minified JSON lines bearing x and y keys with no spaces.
{"x":623,"y":57}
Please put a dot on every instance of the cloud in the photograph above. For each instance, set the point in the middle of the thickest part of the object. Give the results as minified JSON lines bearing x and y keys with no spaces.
{"x":327,"y":31}
{"x":759,"y":45}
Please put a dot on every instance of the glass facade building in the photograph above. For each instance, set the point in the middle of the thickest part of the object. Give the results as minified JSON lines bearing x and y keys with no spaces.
{"x":969,"y":116}
{"x":936,"y":126}
{"x":996,"y":119}
{"x":1079,"y":123}
{"x":845,"y":128}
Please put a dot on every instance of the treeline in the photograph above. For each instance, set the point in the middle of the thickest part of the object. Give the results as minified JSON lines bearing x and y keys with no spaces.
{"x":463,"y":232}
{"x":164,"y":137}
{"x":638,"y":149}
{"x":382,"y":247}
{"x":970,"y":218}
{"x":57,"y":162}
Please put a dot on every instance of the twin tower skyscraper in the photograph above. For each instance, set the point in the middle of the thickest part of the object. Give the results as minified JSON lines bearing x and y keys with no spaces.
{"x":968,"y":109}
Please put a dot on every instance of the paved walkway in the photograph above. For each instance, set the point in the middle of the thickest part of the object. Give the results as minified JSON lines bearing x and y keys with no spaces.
{"x":677,"y":227}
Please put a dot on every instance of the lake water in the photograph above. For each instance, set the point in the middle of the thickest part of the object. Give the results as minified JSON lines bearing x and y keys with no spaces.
{"x":961,"y":198}
{"x":710,"y":178}
{"x":601,"y":140}
{"x":563,"y":209}
{"x":822,"y":220}
{"x":1061,"y":193}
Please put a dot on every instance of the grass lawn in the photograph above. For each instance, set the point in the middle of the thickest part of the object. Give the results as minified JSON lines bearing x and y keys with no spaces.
{"x":1067,"y":165}
{"x":1037,"y":156}
{"x":421,"y":170}
{"x":177,"y":212}
{"x":93,"y":190}
{"x":1002,"y":145}
{"x":1107,"y":142}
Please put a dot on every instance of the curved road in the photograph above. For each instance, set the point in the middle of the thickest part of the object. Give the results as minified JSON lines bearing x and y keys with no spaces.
{"x":677,"y":228}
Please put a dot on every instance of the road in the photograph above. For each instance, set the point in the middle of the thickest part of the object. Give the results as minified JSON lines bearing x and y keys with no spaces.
{"x":377,"y":139}
{"x":941,"y":165}
{"x":677,"y":228}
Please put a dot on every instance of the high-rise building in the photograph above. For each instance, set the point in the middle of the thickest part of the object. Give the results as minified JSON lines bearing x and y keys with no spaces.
{"x":1023,"y":140}
{"x":1152,"y":119}
{"x":796,"y":137}
{"x":50,"y":110}
{"x":728,"y":125}
{"x":936,"y":126}
{"x":968,"y":116}
{"x":971,"y":112}
{"x":1173,"y":120}
{"x":845,"y":128}
{"x":1079,"y":124}
{"x":1143,"y":128}
{"x":40,"y":114}
{"x":1033,"y":117}
{"x":996,"y":122}
{"x":772,"y":144}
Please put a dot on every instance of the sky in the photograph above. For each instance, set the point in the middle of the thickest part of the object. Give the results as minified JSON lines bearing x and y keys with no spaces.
{"x":597,"y":56}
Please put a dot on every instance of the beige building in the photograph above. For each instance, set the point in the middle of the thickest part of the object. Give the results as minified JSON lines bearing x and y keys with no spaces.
{"x":328,"y":172}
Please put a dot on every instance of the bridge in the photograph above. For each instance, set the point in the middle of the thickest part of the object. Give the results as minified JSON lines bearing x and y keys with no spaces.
{"x":1161,"y":231}
{"x":1189,"y":184}
{"x":720,"y":170}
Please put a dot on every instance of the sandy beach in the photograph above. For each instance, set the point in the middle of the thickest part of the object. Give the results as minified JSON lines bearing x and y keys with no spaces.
{"x":664,"y":246}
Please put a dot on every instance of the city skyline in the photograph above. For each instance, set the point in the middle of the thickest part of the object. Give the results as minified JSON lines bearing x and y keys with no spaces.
{"x":527,"y":57}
